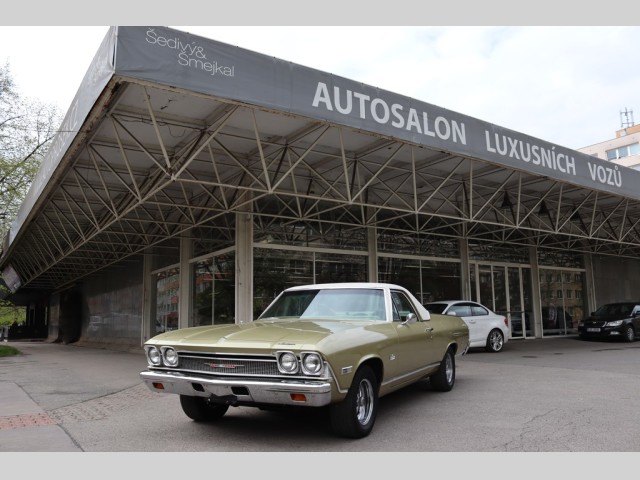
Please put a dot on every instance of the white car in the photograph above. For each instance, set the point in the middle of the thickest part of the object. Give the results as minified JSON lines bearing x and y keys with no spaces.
{"x":486,"y":328}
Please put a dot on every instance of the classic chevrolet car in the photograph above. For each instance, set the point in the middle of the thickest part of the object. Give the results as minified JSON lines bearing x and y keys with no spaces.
{"x":339,"y":345}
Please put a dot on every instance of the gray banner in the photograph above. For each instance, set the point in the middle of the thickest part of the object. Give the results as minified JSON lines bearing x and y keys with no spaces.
{"x":172,"y":57}
{"x":99,"y":73}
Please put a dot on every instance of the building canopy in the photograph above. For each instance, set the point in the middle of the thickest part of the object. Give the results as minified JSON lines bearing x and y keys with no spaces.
{"x":171,"y":133}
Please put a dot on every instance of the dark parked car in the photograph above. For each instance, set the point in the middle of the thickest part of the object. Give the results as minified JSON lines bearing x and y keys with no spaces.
{"x":613,"y":320}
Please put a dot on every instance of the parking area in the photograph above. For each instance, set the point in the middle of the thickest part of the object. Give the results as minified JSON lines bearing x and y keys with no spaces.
{"x":543,"y":395}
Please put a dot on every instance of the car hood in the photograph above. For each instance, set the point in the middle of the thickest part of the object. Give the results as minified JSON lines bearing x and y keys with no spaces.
{"x":606,"y":318}
{"x":260,"y":334}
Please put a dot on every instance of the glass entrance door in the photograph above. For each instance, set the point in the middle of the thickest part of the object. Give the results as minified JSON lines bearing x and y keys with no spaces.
{"x":507,"y":291}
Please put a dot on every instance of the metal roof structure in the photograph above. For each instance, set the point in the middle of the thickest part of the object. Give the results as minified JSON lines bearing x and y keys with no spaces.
{"x":172,"y":132}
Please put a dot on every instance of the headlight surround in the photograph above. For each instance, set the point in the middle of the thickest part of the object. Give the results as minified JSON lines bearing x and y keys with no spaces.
{"x":154,"y":357}
{"x":169,"y":356}
{"x":287,"y":362}
{"x":615,"y":323}
{"x":312,"y":363}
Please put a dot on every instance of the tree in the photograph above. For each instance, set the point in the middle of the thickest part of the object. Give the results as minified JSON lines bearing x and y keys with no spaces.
{"x":27,"y":128}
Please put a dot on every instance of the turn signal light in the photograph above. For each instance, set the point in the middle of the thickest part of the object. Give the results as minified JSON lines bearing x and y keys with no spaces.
{"x":158,"y":385}
{"x":298,"y":397}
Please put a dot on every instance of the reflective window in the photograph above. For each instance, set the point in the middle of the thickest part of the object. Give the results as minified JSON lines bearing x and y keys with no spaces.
{"x":214,"y":290}
{"x":276,"y":270}
{"x":562,"y":302}
{"x":428,"y":280}
{"x":167,"y":294}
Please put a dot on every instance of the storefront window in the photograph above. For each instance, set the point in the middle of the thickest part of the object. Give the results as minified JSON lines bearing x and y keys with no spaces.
{"x":417,"y":244}
{"x":555,"y":258}
{"x":562,"y":301}
{"x":276,"y":269}
{"x":167,"y":286}
{"x":214,"y":238}
{"x":315,"y":234}
{"x":214,"y":290}
{"x":488,"y":252}
{"x":334,"y":268}
{"x":427,"y":280}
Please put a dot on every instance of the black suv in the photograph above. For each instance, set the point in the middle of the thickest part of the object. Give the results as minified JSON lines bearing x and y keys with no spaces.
{"x":613,"y":320}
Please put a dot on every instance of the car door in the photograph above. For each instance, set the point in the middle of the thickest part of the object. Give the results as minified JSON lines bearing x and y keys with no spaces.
{"x":463,"y":310}
{"x":416,"y":344}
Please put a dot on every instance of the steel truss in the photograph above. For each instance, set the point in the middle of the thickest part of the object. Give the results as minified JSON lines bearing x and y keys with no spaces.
{"x":159,"y":162}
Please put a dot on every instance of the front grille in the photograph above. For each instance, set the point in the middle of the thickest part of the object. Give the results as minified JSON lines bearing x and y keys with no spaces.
{"x":594,"y":323}
{"x":229,"y":365}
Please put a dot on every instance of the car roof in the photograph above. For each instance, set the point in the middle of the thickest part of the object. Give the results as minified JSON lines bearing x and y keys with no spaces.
{"x":370,"y":285}
{"x":453,"y":301}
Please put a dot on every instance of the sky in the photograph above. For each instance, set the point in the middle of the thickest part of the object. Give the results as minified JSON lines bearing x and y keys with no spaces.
{"x":569,"y":85}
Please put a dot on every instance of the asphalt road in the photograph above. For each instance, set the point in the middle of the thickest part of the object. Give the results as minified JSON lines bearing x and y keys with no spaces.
{"x":543,"y":395}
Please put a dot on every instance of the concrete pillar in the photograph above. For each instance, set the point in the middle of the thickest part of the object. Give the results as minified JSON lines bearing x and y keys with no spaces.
{"x":465,"y":281}
{"x":372,"y":240}
{"x":184,"y":307}
{"x":590,"y":284}
{"x":536,"y":300}
{"x":244,"y":267}
{"x":148,"y":312}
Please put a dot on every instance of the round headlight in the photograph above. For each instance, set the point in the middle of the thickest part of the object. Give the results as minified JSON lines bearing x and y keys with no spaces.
{"x":287,"y":362}
{"x":311,"y":363}
{"x":170,"y":357}
{"x":153,"y":356}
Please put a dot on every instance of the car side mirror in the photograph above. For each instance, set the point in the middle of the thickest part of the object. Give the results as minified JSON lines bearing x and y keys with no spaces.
{"x":411,"y":318}
{"x":453,"y":314}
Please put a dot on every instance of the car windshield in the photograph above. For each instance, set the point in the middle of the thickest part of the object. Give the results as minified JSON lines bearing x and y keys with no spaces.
{"x":615,"y":309}
{"x":344,"y":303}
{"x":436,"y":307}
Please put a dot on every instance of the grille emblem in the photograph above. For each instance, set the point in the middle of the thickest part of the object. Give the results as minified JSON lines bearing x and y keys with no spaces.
{"x":224,"y":365}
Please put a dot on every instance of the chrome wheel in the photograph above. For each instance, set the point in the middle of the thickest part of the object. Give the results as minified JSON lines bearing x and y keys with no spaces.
{"x":355,"y":415}
{"x":364,"y":401}
{"x":448,"y":369}
{"x":444,"y":378}
{"x":495,"y":341}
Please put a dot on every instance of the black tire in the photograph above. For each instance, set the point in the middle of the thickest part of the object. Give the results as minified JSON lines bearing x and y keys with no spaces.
{"x":629,"y":334}
{"x":200,"y":409}
{"x":445,"y":377}
{"x":495,"y":341}
{"x":355,"y":415}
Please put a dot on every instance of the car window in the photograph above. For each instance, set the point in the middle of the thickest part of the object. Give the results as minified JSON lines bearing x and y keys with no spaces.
{"x":436,"y":307}
{"x":460,"y":310}
{"x":477,"y":310}
{"x":402,"y":306}
{"x":347,"y":303}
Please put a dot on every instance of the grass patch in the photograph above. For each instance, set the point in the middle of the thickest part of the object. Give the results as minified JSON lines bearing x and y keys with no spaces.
{"x":7,"y":351}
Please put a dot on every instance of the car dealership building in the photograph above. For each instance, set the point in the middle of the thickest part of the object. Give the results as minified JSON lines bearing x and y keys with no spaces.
{"x":192,"y":181}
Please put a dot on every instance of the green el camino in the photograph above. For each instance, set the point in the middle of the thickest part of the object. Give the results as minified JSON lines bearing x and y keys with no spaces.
{"x":341,"y":346}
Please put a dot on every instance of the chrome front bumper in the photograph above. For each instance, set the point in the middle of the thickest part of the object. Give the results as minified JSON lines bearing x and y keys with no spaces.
{"x":241,"y":391}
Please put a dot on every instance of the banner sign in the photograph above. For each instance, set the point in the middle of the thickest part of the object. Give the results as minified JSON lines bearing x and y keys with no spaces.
{"x":176,"y":58}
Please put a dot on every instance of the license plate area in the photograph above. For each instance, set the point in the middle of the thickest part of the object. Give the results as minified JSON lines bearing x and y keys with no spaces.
{"x":593,"y":330}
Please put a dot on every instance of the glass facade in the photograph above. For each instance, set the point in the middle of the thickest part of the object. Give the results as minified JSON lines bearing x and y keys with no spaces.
{"x":276,"y":269}
{"x":563,"y":300}
{"x":298,"y":253}
{"x":428,"y":280}
{"x":167,"y":300}
{"x":213,"y":290}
